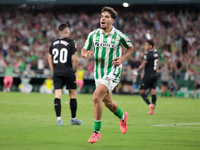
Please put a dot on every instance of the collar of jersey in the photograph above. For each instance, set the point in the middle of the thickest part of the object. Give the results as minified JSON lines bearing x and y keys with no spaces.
{"x":111,"y":32}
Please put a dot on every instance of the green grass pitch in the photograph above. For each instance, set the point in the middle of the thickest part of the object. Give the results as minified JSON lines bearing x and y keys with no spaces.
{"x":28,"y":122}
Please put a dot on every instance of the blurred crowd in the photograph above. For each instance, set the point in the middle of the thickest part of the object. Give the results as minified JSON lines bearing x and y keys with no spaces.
{"x":25,"y":38}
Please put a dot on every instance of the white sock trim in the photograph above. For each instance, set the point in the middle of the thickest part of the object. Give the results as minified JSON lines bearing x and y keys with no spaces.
{"x":97,"y":120}
{"x":123,"y":117}
{"x":59,"y":118}
{"x":74,"y":118}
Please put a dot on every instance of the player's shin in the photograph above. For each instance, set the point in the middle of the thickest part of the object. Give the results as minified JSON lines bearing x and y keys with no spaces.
{"x":97,"y":126}
{"x":73,"y":107}
{"x":154,"y":99}
{"x":57,"y":107}
{"x":145,"y":97}
{"x":119,"y":114}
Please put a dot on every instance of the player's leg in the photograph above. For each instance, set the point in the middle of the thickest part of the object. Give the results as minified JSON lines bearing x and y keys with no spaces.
{"x":196,"y":88}
{"x":162,"y":89}
{"x":70,"y":82}
{"x":10,"y":82}
{"x":80,"y":83}
{"x":100,"y":92}
{"x":113,"y":107}
{"x":152,"y":87}
{"x":143,"y":87}
{"x":57,"y":105}
{"x":57,"y":101}
{"x":73,"y":108}
{"x":144,"y":96}
{"x":5,"y":83}
{"x":130,"y":88}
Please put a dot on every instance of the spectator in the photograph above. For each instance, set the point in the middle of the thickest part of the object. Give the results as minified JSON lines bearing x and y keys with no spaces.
{"x":164,"y":76}
{"x":25,"y":86}
{"x":129,"y":80}
{"x":79,"y":77}
{"x":47,"y":86}
{"x":9,"y":70}
{"x":171,"y":85}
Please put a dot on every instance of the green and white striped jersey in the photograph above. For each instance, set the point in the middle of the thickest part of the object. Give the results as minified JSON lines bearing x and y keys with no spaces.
{"x":106,"y":48}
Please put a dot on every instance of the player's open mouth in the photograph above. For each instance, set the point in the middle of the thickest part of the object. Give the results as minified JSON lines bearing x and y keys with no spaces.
{"x":103,"y":22}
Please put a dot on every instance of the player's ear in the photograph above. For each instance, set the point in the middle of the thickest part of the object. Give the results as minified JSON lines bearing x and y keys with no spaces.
{"x":113,"y":20}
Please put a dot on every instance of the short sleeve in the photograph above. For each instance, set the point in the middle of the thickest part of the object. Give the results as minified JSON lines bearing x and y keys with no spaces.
{"x":126,"y":41}
{"x":50,"y":49}
{"x":88,"y":43}
{"x":145,"y":58}
{"x":73,"y":48}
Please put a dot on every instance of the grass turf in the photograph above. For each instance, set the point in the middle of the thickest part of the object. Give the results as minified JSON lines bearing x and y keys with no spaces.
{"x":28,"y":122}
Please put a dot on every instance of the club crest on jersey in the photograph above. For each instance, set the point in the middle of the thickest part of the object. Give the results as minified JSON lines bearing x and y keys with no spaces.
{"x":98,"y":44}
{"x":113,"y":40}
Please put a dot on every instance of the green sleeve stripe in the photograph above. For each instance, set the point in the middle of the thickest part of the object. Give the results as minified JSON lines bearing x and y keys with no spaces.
{"x":123,"y":42}
{"x":90,"y":42}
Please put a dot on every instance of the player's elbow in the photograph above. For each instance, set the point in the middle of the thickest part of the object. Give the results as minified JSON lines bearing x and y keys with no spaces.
{"x":131,"y":49}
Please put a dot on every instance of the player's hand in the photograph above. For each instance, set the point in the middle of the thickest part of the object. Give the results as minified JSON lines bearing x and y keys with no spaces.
{"x":88,"y":54}
{"x":135,"y":73}
{"x":117,"y":61}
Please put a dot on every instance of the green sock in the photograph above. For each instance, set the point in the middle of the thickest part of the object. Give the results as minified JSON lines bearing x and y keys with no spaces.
{"x":97,"y":125}
{"x":119,"y":113}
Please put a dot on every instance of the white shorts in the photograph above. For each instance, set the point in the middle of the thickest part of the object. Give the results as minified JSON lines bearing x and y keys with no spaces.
{"x":110,"y":81}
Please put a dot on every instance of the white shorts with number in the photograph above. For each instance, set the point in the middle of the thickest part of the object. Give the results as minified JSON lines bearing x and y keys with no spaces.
{"x":110,"y":81}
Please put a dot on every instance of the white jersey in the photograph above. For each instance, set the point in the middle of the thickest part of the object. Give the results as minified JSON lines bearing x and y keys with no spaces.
{"x":106,"y":48}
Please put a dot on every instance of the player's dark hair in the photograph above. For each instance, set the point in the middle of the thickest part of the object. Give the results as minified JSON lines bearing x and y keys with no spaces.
{"x":150,"y":42}
{"x":111,"y":11}
{"x":63,"y":26}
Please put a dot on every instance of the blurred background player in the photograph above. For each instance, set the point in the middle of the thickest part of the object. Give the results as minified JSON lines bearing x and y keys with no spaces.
{"x":129,"y":80}
{"x":171,"y":85}
{"x":47,"y":86}
{"x":196,"y":83}
{"x":150,"y":62}
{"x":63,"y":62}
{"x":8,"y":77}
{"x":79,"y":77}
{"x":164,"y":77}
{"x":25,"y":86}
{"x":106,"y":44}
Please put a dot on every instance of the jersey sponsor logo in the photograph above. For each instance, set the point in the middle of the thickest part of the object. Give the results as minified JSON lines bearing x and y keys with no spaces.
{"x":98,"y":44}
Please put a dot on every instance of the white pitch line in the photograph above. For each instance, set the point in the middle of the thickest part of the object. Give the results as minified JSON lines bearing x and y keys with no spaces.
{"x":174,"y":124}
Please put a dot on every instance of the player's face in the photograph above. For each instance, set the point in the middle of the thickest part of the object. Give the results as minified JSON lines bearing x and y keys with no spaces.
{"x":106,"y":21}
{"x":147,"y":46}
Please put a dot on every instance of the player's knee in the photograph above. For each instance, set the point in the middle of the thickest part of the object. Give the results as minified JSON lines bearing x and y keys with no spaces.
{"x":58,"y":96}
{"x":141,"y":91}
{"x":96,"y":98}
